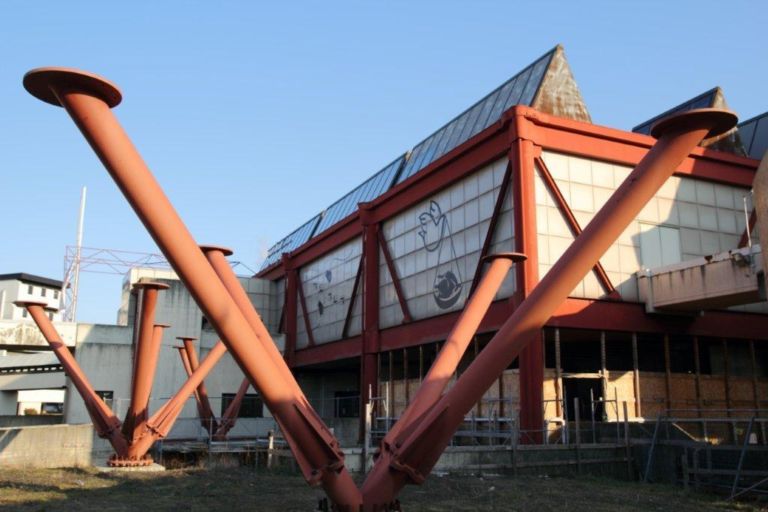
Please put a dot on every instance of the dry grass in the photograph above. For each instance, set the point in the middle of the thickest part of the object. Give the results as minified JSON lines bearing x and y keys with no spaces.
{"x":246,"y":489}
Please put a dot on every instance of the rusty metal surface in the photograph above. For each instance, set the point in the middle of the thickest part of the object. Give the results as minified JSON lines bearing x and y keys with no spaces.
{"x":559,"y":94}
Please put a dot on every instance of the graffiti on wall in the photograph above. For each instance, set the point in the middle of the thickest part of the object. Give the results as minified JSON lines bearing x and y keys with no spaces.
{"x":435,"y":234}
{"x":322,"y":284}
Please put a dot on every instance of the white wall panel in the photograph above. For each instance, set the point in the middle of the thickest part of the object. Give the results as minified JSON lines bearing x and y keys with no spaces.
{"x":327,"y":283}
{"x":688,"y":218}
{"x":436,"y":245}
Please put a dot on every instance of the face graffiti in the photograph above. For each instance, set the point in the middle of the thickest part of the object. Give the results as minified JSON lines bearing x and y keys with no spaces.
{"x":435,"y":234}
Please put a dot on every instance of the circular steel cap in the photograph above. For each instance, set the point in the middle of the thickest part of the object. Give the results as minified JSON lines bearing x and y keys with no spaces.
{"x":40,"y":83}
{"x":718,"y":119}
{"x":25,"y":303}
{"x":164,"y":326}
{"x":151,"y":285}
{"x":224,"y":250}
{"x":514,"y":256}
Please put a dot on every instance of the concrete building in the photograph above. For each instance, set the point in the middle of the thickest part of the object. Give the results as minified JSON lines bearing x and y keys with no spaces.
{"x":22,"y":286}
{"x":32,"y":380}
{"x":30,"y":383}
{"x":370,"y":287}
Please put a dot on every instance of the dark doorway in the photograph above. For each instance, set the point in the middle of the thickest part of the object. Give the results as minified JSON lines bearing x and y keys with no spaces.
{"x":581,"y":388}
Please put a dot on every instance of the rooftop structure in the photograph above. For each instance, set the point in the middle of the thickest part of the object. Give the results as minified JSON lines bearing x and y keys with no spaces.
{"x":546,"y":85}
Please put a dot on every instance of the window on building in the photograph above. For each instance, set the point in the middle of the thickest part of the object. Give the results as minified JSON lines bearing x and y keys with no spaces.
{"x":30,"y":289}
{"x":52,"y":408}
{"x":107,"y":396}
{"x":711,"y":356}
{"x":24,"y":313}
{"x":580,"y":351}
{"x":550,"y":354}
{"x":618,"y":351}
{"x":346,"y":404}
{"x":739,"y":358}
{"x":43,"y":291}
{"x":50,"y":315}
{"x":650,"y":352}
{"x":55,"y":294}
{"x":761,"y":358}
{"x":252,"y":406}
{"x":397,"y":364}
{"x":412,"y":354}
{"x":681,"y":354}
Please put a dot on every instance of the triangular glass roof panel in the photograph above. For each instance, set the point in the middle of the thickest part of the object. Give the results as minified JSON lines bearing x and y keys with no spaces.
{"x":754,"y":136}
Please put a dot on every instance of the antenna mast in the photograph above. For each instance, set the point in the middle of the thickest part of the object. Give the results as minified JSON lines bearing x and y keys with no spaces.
{"x":72,"y":273}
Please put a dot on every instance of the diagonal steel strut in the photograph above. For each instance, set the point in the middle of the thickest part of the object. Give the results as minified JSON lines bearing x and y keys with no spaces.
{"x":415,"y":449}
{"x":412,"y":455}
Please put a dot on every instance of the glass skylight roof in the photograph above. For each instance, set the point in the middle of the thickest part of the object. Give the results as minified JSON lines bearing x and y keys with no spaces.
{"x":372,"y":188}
{"x":703,"y":100}
{"x":291,"y":242}
{"x":519,"y":90}
{"x":754,"y":136}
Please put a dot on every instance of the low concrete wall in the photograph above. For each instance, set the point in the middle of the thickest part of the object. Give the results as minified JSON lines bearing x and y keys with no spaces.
{"x":30,"y":421}
{"x":599,"y":460}
{"x":51,"y":446}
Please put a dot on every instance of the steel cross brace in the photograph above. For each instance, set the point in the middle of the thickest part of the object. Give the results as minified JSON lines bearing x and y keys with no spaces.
{"x":130,"y":448}
{"x":89,"y":98}
{"x":190,"y":362}
{"x":216,"y":429}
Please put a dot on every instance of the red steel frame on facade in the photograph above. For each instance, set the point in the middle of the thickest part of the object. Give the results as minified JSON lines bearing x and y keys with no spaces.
{"x":521,"y":135}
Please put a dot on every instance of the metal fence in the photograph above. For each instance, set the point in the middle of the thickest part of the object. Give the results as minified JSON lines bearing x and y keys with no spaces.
{"x":724,"y":449}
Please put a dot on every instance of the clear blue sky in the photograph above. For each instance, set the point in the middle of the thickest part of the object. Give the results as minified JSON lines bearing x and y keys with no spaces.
{"x":256,"y":116}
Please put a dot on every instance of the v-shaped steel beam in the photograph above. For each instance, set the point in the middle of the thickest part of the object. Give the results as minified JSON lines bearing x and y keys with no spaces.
{"x":422,"y":438}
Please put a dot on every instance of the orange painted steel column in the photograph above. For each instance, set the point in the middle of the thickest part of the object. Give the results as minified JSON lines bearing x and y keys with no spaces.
{"x":137,"y":454}
{"x":146,"y":352}
{"x":202,"y":392}
{"x":217,"y":257}
{"x":104,"y":421}
{"x":291,"y":309}
{"x":229,"y":418}
{"x":415,"y":452}
{"x":88,"y":99}
{"x":456,"y":343}
{"x":198,"y":404}
{"x":531,"y":359}
{"x":160,"y":423}
{"x":371,"y":339}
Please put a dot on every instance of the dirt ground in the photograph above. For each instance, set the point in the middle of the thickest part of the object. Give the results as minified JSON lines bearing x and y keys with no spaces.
{"x":248,"y":489}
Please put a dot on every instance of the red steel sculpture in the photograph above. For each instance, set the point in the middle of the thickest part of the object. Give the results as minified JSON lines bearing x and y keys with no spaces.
{"x":409,"y":452}
{"x":217,"y":429}
{"x":132,"y":438}
{"x":189,"y":361}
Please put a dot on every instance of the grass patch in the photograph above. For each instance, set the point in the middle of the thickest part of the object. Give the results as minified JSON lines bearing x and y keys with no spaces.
{"x":246,"y":489}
